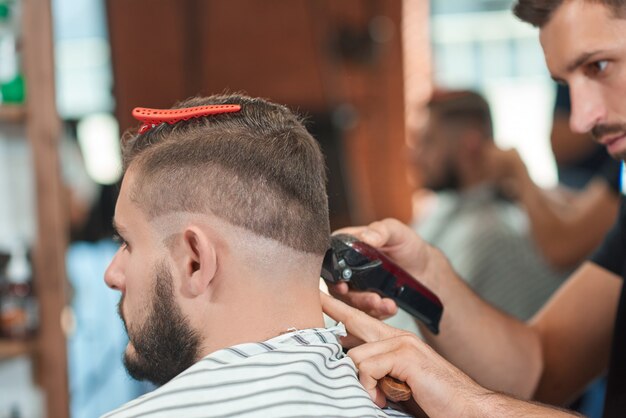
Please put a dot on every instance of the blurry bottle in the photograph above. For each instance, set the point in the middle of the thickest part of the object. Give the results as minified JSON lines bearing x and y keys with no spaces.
{"x":18,"y":309}
{"x":11,"y":79}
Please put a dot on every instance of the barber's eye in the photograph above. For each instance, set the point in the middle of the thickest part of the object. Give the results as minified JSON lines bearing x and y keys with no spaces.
{"x":597,"y":67}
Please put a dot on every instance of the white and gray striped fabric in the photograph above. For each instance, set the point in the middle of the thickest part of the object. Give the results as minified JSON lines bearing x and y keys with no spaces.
{"x":300,"y":374}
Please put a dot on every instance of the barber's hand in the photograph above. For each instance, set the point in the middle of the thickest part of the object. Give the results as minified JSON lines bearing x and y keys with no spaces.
{"x":402,"y":245}
{"x":440,"y":389}
{"x":506,"y":169}
{"x":371,"y":303}
{"x":503,"y":163}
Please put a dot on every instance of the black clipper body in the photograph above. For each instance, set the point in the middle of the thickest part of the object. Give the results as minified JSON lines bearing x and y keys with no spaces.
{"x":365,"y":268}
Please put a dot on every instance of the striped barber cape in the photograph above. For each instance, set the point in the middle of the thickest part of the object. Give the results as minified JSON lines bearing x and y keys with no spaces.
{"x":300,"y":374}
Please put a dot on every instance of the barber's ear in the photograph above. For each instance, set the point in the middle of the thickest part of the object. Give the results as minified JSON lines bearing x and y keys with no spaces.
{"x":200,"y":261}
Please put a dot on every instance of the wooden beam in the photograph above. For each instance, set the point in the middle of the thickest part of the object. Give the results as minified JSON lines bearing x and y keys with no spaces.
{"x":43,"y":129}
{"x":418,"y":71}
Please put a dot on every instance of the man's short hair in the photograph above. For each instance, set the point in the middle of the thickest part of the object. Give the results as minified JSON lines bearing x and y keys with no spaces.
{"x":463,"y":109}
{"x":539,"y":12}
{"x":258,"y":169}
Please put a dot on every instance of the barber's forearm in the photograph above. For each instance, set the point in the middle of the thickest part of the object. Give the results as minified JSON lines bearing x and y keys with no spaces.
{"x":543,"y":217}
{"x":566,"y":237}
{"x":498,"y":351}
{"x":549,"y":227}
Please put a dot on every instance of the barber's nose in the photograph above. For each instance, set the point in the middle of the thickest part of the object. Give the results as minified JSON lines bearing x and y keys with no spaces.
{"x":588,"y":108}
{"x":114,"y":274}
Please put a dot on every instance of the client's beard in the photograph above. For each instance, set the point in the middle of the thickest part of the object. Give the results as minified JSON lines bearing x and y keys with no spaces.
{"x":165,"y":344}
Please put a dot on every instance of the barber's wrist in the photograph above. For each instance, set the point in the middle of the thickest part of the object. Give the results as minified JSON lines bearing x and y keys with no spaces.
{"x":473,"y":400}
{"x":492,"y":404}
{"x":440,"y":275}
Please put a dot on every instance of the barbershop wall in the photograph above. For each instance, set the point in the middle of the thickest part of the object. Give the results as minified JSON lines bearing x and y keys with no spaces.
{"x":351,"y":67}
{"x":339,"y":63}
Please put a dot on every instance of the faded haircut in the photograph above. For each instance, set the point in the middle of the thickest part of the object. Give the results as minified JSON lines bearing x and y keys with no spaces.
{"x":539,"y":12}
{"x":258,"y":169}
{"x":462,"y":109}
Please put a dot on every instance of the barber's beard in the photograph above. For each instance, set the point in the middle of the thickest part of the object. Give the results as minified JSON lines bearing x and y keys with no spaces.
{"x":165,"y":344}
{"x":605,"y":130}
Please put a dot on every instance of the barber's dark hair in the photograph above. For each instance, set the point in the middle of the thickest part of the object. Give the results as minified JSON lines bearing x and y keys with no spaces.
{"x":539,"y":12}
{"x":258,"y":168}
{"x":462,"y":108}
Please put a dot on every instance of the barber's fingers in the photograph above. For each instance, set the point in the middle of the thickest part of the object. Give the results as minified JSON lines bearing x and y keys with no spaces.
{"x":395,"y":239}
{"x":369,"y":302}
{"x":387,"y":232}
{"x":392,"y":232}
{"x":436,"y":385}
{"x":338,"y":289}
{"x":371,"y":371}
{"x":394,"y":357}
{"x":376,"y":234}
{"x":357,"y":323}
{"x":402,"y":342}
{"x":364,"y":233}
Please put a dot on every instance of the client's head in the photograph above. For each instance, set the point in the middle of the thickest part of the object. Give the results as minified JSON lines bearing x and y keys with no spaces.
{"x":224,"y":224}
{"x":448,"y":152}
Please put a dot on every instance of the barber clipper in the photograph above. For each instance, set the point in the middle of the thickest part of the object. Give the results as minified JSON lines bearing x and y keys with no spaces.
{"x":365,"y":268}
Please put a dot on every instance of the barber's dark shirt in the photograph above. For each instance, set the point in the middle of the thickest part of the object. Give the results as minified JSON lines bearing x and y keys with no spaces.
{"x":612,"y":256}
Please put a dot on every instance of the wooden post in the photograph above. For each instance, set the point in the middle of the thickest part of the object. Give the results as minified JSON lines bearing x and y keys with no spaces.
{"x":418,"y":71}
{"x":43,"y":129}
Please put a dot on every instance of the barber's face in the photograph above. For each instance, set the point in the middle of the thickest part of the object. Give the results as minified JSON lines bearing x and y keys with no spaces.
{"x":162,"y":343}
{"x":585,"y":47}
{"x":433,"y":155}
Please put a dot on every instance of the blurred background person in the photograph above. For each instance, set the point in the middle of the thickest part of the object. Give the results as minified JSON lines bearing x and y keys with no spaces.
{"x":567,"y":223}
{"x":485,"y":236}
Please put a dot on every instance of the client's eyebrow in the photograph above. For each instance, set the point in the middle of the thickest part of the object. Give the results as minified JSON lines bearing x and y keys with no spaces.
{"x":118,"y":229}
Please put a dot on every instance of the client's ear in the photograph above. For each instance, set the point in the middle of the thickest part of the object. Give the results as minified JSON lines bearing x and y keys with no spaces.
{"x":200,"y":261}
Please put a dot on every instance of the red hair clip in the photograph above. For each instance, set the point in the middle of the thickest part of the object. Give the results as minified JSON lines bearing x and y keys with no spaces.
{"x":153,"y":117}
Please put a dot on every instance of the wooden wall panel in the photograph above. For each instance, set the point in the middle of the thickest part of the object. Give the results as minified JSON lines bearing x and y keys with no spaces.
{"x":147,"y":39}
{"x":266,"y":51}
{"x":284,"y":50}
